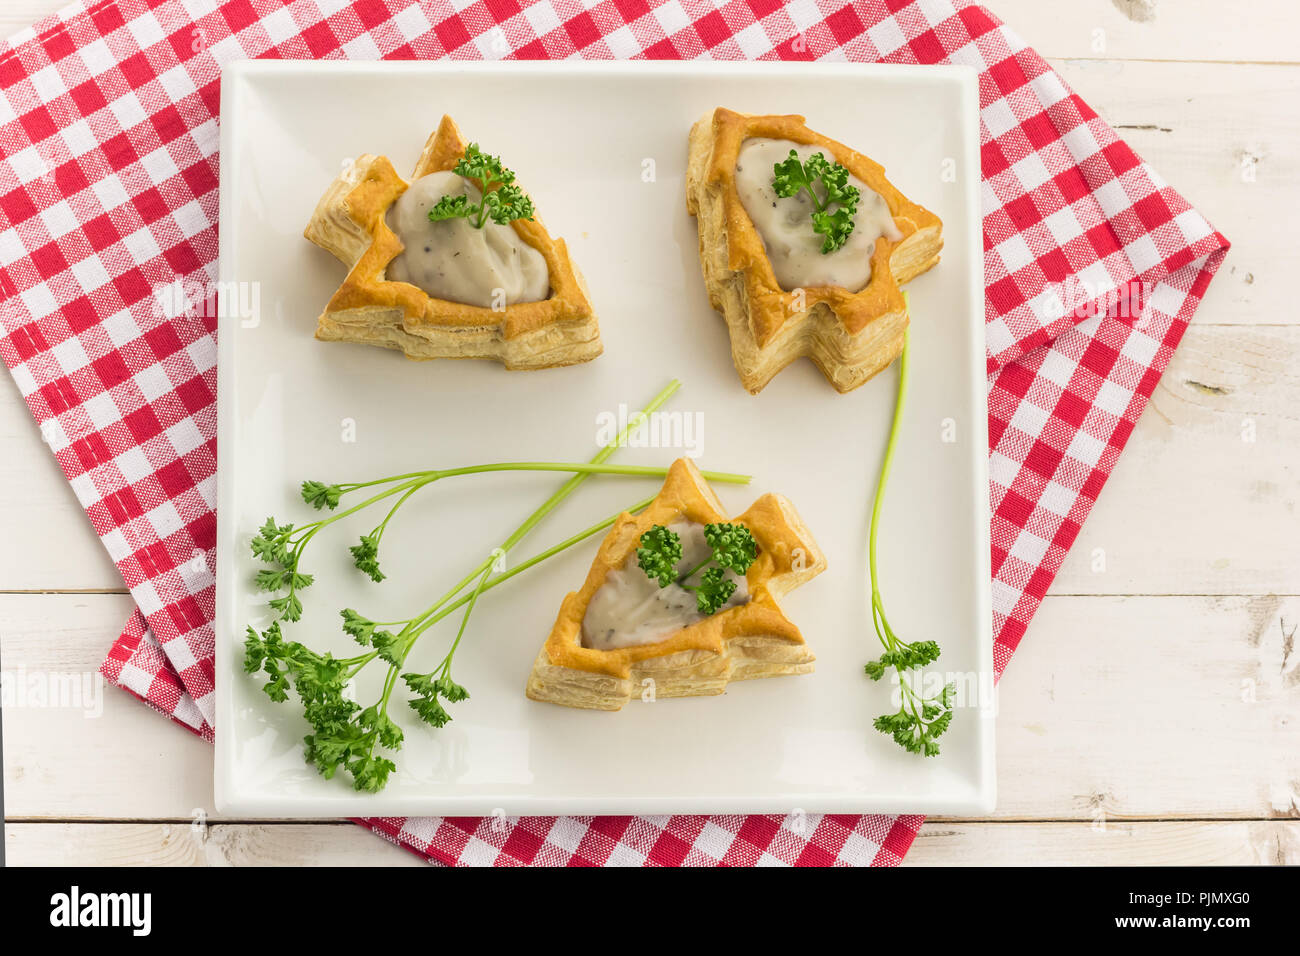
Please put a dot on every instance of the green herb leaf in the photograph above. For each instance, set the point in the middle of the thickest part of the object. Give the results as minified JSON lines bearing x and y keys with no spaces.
{"x":374,"y":719}
{"x":450,"y":690}
{"x":501,"y":200}
{"x":389,"y":646}
{"x":289,"y":606}
{"x":452,"y":207}
{"x":732,"y":548}
{"x":366,"y":557}
{"x":659,"y":553}
{"x":714,"y":590}
{"x":370,"y":773}
{"x":733,"y":545}
{"x":827,"y":185}
{"x":359,"y":627}
{"x":271,"y":543}
{"x":429,"y":688}
{"x":320,"y":495}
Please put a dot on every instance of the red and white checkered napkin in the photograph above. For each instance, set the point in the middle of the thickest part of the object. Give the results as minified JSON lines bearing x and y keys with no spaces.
{"x":109,"y":189}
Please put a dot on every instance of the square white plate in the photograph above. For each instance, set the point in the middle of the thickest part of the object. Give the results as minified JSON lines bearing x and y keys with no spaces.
{"x":602,"y":149}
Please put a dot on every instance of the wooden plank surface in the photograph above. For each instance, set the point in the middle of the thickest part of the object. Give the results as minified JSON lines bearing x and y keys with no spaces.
{"x":1235,"y":843}
{"x":190,"y":844}
{"x":1204,"y":496}
{"x":1149,"y":715}
{"x":1155,"y":843}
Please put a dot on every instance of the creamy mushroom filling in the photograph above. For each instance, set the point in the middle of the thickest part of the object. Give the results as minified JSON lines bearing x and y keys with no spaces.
{"x":630,"y":609}
{"x":786,"y":227}
{"x":490,"y":267}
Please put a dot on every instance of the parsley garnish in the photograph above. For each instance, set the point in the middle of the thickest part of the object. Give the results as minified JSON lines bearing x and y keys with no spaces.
{"x":344,"y":734}
{"x":920,"y":720}
{"x":835,"y":226}
{"x":501,"y":200}
{"x":732,"y":547}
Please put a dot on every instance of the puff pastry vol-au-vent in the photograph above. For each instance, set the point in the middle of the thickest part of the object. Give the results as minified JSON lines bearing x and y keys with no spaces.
{"x":850,"y":333}
{"x":585,"y":664}
{"x":352,"y":221}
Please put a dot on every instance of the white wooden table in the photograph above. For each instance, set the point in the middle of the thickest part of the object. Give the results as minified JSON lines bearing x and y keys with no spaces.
{"x":1152,"y":713}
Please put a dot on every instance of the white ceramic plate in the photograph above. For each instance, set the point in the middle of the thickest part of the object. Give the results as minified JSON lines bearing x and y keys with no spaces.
{"x":602,"y":149}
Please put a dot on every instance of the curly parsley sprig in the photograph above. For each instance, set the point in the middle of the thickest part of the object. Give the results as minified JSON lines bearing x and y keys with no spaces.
{"x":827,"y":185}
{"x":732,"y":547}
{"x":920,"y":720}
{"x":363,"y":741}
{"x":500,"y":199}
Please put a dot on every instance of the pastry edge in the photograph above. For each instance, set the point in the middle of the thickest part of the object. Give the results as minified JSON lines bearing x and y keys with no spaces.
{"x":693,"y":673}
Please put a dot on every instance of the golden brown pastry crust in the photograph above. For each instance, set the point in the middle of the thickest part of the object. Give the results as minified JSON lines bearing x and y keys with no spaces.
{"x":849,"y":335}
{"x":349,"y":222}
{"x":748,"y":641}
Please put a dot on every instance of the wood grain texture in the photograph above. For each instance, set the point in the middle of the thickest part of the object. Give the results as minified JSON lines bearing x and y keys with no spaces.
{"x":115,"y":758}
{"x":1178,"y":30}
{"x":1152,"y":707}
{"x":1237,"y":843}
{"x":1203,"y":499}
{"x":184,"y":844}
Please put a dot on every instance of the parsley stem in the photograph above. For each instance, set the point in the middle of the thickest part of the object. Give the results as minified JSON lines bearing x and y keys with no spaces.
{"x":315,"y":526}
{"x":357,"y":485}
{"x":876,"y":600}
{"x":537,"y":559}
{"x":445,"y":667}
{"x":920,"y":719}
{"x":597,"y":465}
{"x":683,"y":578}
{"x":379,"y":531}
{"x":344,"y":735}
{"x":594,"y":467}
{"x":414,"y":481}
{"x":442,"y":609}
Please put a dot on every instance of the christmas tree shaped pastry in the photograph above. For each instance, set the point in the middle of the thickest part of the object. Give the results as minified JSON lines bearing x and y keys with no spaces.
{"x":482,"y":239}
{"x":807,"y":258}
{"x":654,"y":619}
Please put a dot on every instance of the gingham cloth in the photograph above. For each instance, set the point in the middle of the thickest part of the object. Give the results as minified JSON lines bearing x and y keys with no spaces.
{"x":108,"y":189}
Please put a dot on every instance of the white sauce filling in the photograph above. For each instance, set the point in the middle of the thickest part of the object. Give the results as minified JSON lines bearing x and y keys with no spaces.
{"x":786,"y":227}
{"x":630,"y":609}
{"x":452,"y":260}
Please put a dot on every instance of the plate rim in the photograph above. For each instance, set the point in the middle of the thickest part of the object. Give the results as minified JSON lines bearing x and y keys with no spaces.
{"x":978,"y":798}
